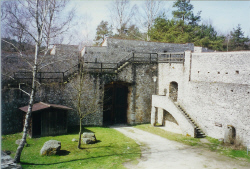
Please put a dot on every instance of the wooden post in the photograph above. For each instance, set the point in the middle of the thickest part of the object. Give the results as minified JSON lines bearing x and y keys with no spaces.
{"x":170,"y":58}
{"x":183,"y":58}
{"x":101,"y":67}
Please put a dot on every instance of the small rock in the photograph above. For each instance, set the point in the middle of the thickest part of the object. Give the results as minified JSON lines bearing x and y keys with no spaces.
{"x":75,"y":140}
{"x":7,"y":152}
{"x":221,"y":139}
{"x":50,"y":147}
{"x":18,"y":142}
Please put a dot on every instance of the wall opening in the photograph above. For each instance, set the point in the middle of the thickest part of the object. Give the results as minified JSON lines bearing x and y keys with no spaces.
{"x":115,"y":103}
{"x":173,"y":91}
{"x":230,"y":134}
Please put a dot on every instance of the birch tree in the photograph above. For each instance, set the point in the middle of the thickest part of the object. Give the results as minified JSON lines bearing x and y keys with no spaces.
{"x":36,"y":20}
{"x":151,"y":9}
{"x":122,"y":14}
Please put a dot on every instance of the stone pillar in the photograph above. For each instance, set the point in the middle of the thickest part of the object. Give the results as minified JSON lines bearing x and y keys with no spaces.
{"x":153,"y":111}
{"x":134,"y":94}
{"x":160,"y":116}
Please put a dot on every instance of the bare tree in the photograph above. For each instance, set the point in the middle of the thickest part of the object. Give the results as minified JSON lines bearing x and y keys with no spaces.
{"x":122,"y":14}
{"x":54,"y":25}
{"x":33,"y":19}
{"x":151,"y":8}
{"x":85,"y":94}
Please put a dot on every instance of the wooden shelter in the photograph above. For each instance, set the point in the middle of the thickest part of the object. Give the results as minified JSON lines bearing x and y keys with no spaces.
{"x":47,"y":119}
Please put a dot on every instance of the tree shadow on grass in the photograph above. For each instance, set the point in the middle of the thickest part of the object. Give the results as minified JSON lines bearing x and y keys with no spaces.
{"x":25,"y":163}
{"x":63,"y":152}
{"x":75,"y":130}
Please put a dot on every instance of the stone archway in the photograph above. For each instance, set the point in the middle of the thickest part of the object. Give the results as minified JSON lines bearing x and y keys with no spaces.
{"x":167,"y":104}
{"x":173,"y":91}
{"x":170,"y":123}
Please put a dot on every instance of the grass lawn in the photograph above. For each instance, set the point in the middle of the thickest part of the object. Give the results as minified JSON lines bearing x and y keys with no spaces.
{"x":214,"y":145}
{"x":111,"y":151}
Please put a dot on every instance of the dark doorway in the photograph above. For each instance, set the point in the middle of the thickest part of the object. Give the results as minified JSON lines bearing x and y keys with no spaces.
{"x":115,"y":103}
{"x":173,"y":91}
{"x":36,"y":124}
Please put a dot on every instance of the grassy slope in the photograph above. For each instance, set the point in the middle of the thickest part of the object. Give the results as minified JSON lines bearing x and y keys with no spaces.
{"x":111,"y":151}
{"x":214,"y":144}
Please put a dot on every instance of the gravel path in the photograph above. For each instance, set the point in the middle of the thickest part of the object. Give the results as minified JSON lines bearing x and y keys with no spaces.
{"x":158,"y":152}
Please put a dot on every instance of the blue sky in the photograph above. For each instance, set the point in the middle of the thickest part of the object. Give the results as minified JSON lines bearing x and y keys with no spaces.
{"x":224,"y":15}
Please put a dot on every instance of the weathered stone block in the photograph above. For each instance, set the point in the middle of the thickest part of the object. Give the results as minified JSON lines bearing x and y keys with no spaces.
{"x":88,"y":138}
{"x":88,"y":135}
{"x":50,"y":147}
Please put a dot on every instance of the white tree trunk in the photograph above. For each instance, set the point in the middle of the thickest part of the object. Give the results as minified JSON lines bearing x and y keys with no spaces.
{"x":33,"y":90}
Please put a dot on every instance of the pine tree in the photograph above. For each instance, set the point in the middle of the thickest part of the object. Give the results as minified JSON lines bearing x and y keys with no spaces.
{"x":237,"y":40}
{"x":185,"y":13}
{"x":103,"y":30}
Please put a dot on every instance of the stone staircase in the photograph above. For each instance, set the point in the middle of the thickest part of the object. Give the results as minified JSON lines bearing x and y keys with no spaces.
{"x":198,"y":132}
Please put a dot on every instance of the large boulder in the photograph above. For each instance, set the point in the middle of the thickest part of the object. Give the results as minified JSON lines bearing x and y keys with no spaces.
{"x":50,"y":147}
{"x":88,"y":138}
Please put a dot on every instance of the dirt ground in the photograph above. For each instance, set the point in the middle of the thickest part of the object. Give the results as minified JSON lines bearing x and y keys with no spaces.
{"x":158,"y":152}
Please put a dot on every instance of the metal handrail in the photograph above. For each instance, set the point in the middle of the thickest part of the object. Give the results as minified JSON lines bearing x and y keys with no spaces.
{"x":101,"y":66}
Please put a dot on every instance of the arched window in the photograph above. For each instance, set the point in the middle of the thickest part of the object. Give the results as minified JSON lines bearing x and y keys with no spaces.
{"x":173,"y":91}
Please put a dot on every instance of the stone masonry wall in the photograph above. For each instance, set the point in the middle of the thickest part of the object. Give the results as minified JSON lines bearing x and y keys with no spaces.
{"x":140,"y":92}
{"x":147,"y":47}
{"x":120,"y":49}
{"x":12,"y":117}
{"x":138,"y":75}
{"x":213,"y":100}
{"x":66,"y":56}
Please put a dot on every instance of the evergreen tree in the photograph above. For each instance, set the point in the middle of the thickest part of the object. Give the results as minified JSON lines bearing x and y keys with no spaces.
{"x":103,"y":30}
{"x":131,"y":32}
{"x":206,"y":36}
{"x":237,"y":40}
{"x":185,"y":13}
{"x":177,"y":31}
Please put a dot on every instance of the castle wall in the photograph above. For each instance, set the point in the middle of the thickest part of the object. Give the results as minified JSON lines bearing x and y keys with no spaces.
{"x":139,"y":76}
{"x":11,"y":116}
{"x":229,"y":67}
{"x":213,"y":100}
{"x":147,"y":47}
{"x":120,"y":49}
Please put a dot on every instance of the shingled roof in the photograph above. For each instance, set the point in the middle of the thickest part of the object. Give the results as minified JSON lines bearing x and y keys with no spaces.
{"x":41,"y":105}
